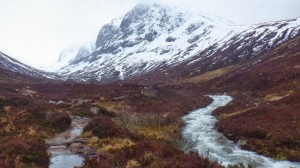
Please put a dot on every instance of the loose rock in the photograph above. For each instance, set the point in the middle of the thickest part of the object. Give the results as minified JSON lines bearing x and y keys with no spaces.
{"x":241,"y":143}
{"x":94,"y":110}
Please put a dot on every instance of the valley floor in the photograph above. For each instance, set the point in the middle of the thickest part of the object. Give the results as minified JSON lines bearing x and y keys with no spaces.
{"x":137,"y":126}
{"x":131,"y":125}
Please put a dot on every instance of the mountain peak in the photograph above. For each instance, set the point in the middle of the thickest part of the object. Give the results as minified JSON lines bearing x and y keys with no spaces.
{"x":150,"y":12}
{"x":151,"y":5}
{"x":153,"y":36}
{"x":144,"y":22}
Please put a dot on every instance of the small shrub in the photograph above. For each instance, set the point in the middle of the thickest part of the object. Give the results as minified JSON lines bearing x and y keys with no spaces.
{"x":133,"y":164}
{"x":104,"y":127}
{"x":28,"y":151}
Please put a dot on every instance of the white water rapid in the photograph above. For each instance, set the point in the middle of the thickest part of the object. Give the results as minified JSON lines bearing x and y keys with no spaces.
{"x":200,"y":128}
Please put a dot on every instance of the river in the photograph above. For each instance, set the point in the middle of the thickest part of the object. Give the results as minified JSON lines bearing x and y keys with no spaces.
{"x":62,"y":155}
{"x":200,"y":128}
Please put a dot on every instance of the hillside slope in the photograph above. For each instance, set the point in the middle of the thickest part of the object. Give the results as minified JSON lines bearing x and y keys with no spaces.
{"x":265,"y":109}
{"x":11,"y":69}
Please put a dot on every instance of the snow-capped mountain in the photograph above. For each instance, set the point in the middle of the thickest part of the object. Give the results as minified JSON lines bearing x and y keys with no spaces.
{"x":154,"y":37}
{"x":12,"y":68}
{"x":72,"y":54}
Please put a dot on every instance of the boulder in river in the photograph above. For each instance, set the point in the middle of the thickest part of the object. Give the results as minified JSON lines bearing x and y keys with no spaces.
{"x":228,"y":150}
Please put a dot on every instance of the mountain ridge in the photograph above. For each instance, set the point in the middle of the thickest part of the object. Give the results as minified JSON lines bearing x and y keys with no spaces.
{"x":12,"y":69}
{"x":154,"y":37}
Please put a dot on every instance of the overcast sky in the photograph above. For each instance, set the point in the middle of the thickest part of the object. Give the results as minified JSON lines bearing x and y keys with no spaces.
{"x":35,"y":31}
